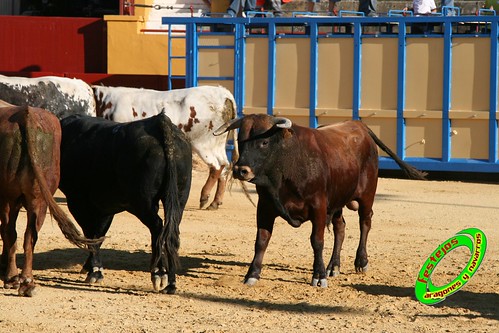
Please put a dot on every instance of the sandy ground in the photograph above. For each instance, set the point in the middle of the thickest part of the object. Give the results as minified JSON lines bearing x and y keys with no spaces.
{"x":411,"y":219}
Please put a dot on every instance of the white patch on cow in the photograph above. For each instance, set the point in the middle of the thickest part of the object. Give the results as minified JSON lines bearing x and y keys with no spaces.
{"x":75,"y":90}
{"x":197,"y":111}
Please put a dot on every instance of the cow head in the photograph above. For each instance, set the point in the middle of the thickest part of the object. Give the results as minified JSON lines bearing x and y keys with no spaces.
{"x":261,"y":141}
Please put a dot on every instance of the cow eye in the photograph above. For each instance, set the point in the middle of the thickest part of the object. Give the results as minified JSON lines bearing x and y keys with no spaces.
{"x":264,"y":143}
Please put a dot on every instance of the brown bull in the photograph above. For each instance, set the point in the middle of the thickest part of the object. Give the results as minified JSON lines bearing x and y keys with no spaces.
{"x":303,"y":174}
{"x":30,"y":141}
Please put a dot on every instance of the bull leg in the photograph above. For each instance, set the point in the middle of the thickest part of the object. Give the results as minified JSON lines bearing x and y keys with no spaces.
{"x":93,"y":266}
{"x":262,"y":241}
{"x":34,"y":225}
{"x":9,"y":238}
{"x":160,"y":277}
{"x":221,"y":183}
{"x":93,"y":228}
{"x":4,"y":220}
{"x":361,"y":261}
{"x":213,"y":178}
{"x":319,"y":277}
{"x":333,"y":268}
{"x":265,"y":225}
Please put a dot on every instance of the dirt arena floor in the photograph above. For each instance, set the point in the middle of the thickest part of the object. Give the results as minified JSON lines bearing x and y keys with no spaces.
{"x":411,"y":219}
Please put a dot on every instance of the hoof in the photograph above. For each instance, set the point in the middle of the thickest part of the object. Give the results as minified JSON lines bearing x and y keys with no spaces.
{"x":159,"y":280}
{"x":203,"y":202}
{"x":213,"y":206}
{"x":251,"y":281}
{"x":95,"y":277}
{"x":27,"y":288}
{"x":12,"y":283}
{"x":334,"y":273}
{"x":361,"y":269}
{"x":170,"y":290}
{"x":319,"y":283}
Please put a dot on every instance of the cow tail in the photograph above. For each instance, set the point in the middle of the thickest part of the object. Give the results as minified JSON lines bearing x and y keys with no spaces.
{"x":67,"y":227}
{"x":408,"y":169}
{"x":168,"y":242}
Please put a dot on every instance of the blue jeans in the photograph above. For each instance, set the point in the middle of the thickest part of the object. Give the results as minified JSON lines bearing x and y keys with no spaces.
{"x":235,"y":6}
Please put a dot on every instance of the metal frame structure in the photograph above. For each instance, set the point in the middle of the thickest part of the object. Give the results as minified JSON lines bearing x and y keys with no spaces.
{"x":358,"y":28}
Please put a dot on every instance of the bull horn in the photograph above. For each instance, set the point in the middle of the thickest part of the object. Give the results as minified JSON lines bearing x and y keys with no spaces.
{"x":282,"y":122}
{"x":230,"y":125}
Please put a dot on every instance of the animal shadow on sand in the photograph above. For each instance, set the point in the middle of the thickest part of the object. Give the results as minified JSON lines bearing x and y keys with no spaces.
{"x":71,"y":260}
{"x":196,"y":265}
{"x":483,"y":303}
{"x":114,"y":259}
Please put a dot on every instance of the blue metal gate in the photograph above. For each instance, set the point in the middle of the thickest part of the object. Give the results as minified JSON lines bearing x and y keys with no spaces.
{"x":447,"y":30}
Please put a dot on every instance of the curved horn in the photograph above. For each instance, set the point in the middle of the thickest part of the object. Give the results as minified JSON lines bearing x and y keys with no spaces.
{"x":230,"y":125}
{"x":282,"y":122}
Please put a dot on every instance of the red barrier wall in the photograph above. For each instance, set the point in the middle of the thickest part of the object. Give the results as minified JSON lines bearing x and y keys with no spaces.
{"x":52,"y":44}
{"x":72,"y":47}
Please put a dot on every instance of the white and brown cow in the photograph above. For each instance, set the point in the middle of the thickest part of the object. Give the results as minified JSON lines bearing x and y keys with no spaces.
{"x":196,"y":111}
{"x":61,"y":96}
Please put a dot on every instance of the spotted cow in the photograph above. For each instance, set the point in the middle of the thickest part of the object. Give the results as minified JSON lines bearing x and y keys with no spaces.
{"x":196,"y":111}
{"x":60,"y":95}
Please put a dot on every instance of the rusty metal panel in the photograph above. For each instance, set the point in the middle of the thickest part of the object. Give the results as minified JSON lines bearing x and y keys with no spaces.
{"x":56,"y":44}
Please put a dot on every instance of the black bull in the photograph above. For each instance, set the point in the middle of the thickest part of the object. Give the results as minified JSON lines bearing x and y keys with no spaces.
{"x":107,"y":168}
{"x":306,"y":174}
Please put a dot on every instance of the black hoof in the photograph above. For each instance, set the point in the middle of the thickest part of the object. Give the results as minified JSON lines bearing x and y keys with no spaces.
{"x":170,"y":290}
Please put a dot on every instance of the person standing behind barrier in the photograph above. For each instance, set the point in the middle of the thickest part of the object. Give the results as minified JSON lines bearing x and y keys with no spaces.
{"x":368,"y":7}
{"x":332,"y":6}
{"x":274,"y":6}
{"x":235,"y":6}
{"x":424,"y":7}
{"x":449,"y":3}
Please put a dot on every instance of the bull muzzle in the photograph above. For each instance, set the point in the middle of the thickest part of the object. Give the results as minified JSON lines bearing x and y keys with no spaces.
{"x":243,"y":173}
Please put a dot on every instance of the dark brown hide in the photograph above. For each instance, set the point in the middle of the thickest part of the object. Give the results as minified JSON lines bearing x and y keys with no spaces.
{"x":303,"y":174}
{"x":30,"y":141}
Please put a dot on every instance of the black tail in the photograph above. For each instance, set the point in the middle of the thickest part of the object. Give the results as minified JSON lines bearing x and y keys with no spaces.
{"x":409,"y":170}
{"x":168,"y":242}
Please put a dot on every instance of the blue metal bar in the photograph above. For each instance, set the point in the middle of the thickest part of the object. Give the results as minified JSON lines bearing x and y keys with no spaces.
{"x":344,"y":13}
{"x":446,"y":95}
{"x":271,"y":69}
{"x":484,"y":11}
{"x":493,"y":135}
{"x":258,"y":13}
{"x":453,"y":165}
{"x":401,"y":77}
{"x":169,"y":59}
{"x":191,"y":58}
{"x":357,"y":68}
{"x":398,"y":12}
{"x":239,"y":67}
{"x":214,"y":78}
{"x":314,"y":45}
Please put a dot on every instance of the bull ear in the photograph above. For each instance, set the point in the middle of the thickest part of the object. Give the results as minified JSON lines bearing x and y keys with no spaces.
{"x":282,"y":122}
{"x":230,"y":125}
